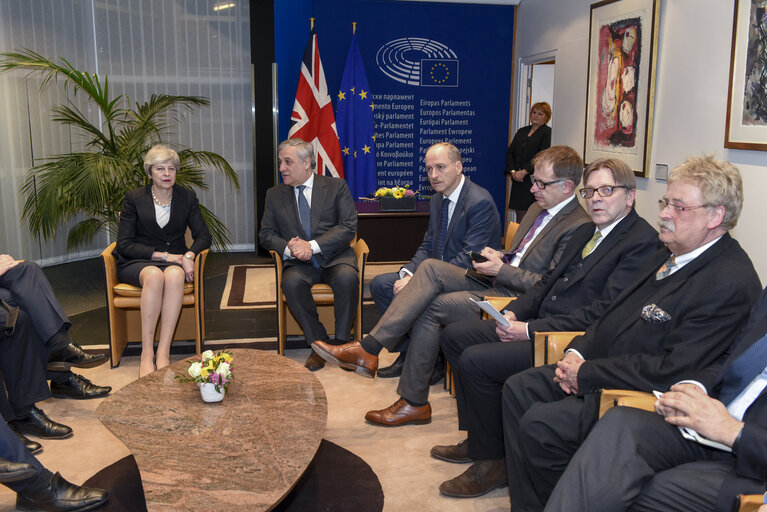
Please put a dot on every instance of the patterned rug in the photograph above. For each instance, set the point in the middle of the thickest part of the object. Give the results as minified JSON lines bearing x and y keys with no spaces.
{"x":253,"y":286}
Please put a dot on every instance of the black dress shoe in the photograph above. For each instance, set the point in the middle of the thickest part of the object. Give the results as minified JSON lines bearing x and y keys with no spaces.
{"x":314,"y":362}
{"x":32,"y":446}
{"x":36,"y":423}
{"x":58,"y":495}
{"x":393,"y":370}
{"x":77,"y":386}
{"x":73,"y":355}
{"x":14,"y":471}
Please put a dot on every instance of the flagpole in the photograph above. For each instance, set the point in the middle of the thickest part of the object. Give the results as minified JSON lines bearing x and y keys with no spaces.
{"x":311,"y":23}
{"x":354,"y":27}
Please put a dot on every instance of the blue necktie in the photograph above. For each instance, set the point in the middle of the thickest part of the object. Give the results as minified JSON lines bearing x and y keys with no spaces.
{"x":743,"y":370}
{"x":305,"y":214}
{"x":443,"y":222}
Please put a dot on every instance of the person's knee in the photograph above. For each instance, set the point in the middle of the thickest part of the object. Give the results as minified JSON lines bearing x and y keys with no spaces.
{"x":174,"y":276}
{"x":151,"y":278}
{"x":346,"y":279}
{"x":381,"y":286}
{"x":293,"y":283}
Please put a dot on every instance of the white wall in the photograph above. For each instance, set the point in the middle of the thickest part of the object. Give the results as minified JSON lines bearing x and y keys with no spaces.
{"x":690,"y":99}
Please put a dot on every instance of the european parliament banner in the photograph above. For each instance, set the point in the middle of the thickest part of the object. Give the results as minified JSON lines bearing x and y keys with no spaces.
{"x":437,"y":72}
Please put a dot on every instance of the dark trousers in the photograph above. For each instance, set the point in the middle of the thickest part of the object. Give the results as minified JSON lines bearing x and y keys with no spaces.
{"x":634,"y":460}
{"x":543,"y":427}
{"x":481,"y":364}
{"x":297,"y":281}
{"x":11,"y":448}
{"x":382,"y":291}
{"x":22,"y":365}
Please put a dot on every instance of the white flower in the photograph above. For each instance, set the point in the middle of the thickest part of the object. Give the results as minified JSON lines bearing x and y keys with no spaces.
{"x":223,"y":370}
{"x":208,"y":354}
{"x":195,"y":369}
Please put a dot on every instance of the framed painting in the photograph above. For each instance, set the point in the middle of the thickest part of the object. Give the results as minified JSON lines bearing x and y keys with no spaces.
{"x":747,"y":99}
{"x":623,"y":45}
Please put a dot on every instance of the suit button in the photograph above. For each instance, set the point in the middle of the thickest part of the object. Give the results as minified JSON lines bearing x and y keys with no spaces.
{"x":553,"y":297}
{"x":564,"y":279}
{"x":167,"y":243}
{"x":580,"y":265}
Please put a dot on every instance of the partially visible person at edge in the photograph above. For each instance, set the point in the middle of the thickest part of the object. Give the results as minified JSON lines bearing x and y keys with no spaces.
{"x":151,"y":250}
{"x":527,"y":142}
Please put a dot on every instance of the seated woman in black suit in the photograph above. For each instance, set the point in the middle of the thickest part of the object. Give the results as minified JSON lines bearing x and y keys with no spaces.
{"x":151,"y":250}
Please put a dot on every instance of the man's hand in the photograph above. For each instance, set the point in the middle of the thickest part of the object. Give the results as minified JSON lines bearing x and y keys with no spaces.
{"x":399,"y":284}
{"x":566,"y":373}
{"x":493,"y":263}
{"x":6,"y":263}
{"x":519,"y":175}
{"x":516,"y":331}
{"x":686,"y":405}
{"x":300,"y":249}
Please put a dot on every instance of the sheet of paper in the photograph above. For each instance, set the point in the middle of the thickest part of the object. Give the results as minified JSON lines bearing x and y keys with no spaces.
{"x":490,"y":310}
{"x":691,"y":435}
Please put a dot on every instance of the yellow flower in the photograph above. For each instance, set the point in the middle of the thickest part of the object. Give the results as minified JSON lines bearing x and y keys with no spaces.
{"x":399,"y":193}
{"x":227,"y":357}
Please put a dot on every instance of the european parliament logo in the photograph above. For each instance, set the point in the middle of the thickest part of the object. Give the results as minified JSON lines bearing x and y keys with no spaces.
{"x":419,"y":61}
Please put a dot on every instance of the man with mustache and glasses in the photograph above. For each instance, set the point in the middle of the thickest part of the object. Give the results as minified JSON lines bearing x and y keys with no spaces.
{"x":680,"y":315}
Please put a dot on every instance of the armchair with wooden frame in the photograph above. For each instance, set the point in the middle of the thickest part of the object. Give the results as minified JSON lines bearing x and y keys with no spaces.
{"x":123,"y":303}
{"x":323,"y":297}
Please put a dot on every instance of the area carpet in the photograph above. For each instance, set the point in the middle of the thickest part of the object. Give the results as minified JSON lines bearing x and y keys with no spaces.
{"x":253,"y":286}
{"x":323,"y":487}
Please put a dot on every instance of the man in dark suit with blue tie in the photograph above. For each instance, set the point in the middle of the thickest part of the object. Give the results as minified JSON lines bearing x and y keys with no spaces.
{"x":659,"y":468}
{"x":463,"y":217}
{"x":311,"y":219}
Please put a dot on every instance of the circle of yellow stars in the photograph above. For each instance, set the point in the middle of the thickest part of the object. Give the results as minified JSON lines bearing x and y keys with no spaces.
{"x":445,"y":73}
{"x":363,"y":94}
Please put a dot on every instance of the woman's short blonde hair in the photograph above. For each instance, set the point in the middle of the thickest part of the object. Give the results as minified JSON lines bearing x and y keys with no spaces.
{"x":543,"y":107}
{"x":719,"y":182}
{"x":158,"y":154}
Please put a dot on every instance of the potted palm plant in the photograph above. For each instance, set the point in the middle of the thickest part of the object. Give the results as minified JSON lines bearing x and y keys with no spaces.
{"x":92,"y":182}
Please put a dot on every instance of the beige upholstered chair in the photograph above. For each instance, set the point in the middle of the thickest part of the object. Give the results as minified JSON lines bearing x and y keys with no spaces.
{"x":323,"y":297}
{"x":511,"y":230}
{"x":123,"y":301}
{"x":749,"y":502}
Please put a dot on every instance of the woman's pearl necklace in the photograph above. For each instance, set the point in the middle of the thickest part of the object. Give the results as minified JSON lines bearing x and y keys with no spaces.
{"x":157,"y":201}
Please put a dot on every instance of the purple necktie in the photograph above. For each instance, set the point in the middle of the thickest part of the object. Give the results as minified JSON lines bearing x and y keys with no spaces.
{"x":509,"y":256}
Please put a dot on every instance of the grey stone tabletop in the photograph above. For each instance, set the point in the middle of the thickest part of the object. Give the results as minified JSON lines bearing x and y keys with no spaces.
{"x":244,"y":453}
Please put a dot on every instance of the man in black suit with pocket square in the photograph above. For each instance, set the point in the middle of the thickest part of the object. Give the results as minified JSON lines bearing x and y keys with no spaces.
{"x":678,"y":316}
{"x":602,"y":256}
{"x":660,"y":468}
{"x":310,"y":220}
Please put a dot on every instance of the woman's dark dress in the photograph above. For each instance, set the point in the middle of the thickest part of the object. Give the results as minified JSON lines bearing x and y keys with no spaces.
{"x":518,"y":156}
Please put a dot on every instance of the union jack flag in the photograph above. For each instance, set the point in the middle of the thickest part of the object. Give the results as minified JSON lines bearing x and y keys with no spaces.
{"x":312,"y":119}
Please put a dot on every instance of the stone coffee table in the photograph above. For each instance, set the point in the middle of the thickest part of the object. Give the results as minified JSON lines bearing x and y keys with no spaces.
{"x":245,"y":453}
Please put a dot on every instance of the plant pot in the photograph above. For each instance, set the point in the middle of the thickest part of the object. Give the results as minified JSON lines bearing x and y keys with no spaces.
{"x":393,"y":204}
{"x":209,"y":393}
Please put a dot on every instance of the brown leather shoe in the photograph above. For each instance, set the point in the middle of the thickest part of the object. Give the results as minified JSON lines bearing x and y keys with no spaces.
{"x":400,"y":413}
{"x":482,"y":477}
{"x":349,"y":355}
{"x":314,"y":362}
{"x":457,"y":453}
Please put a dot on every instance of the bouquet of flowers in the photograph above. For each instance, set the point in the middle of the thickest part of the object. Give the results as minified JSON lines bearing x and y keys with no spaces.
{"x":213,"y":368}
{"x":395,"y":192}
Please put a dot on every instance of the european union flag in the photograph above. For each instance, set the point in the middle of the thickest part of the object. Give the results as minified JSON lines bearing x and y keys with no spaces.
{"x":354,"y":120}
{"x":439,"y":72}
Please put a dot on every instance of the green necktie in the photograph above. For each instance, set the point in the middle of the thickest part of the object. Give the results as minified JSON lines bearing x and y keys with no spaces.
{"x":592,"y":243}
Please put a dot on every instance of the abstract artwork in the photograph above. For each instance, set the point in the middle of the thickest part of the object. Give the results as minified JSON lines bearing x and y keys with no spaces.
{"x":621,"y":74}
{"x":747,"y":101}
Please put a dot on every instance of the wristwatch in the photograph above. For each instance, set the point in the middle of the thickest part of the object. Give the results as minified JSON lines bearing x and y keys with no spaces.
{"x":165,"y":257}
{"x":189,"y":255}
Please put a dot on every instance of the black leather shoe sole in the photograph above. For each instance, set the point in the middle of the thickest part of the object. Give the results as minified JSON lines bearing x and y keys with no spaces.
{"x":32,"y":446}
{"x":63,"y":366}
{"x":60,"y":393}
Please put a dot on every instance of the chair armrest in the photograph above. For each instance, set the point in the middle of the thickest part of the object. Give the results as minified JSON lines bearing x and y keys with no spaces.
{"x":626,"y":398}
{"x":110,"y":267}
{"x":511,"y":230}
{"x":498,"y":303}
{"x":361,"y":251}
{"x":749,"y":502}
{"x":277,"y":259}
{"x":548,"y":347}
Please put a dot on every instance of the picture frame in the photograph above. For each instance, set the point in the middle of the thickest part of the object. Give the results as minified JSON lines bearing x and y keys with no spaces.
{"x":620,"y":93}
{"x":746,"y":125}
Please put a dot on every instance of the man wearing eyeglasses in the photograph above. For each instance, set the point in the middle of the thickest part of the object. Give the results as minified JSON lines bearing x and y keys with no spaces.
{"x":680,"y":315}
{"x":439,"y":293}
{"x":602,"y":256}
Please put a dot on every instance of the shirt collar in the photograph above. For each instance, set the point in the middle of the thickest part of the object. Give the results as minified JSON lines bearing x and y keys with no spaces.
{"x":684,"y":259}
{"x":555,"y":209}
{"x":606,"y":231}
{"x":457,"y":192}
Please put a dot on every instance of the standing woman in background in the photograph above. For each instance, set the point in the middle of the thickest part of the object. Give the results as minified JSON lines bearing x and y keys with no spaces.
{"x":151,"y":250}
{"x":527,"y":142}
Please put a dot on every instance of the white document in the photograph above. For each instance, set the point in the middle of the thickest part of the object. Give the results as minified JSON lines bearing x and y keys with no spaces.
{"x":691,"y":435}
{"x":490,"y":310}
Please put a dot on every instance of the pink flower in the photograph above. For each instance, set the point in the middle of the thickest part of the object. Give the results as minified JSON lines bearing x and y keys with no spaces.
{"x":409,"y":193}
